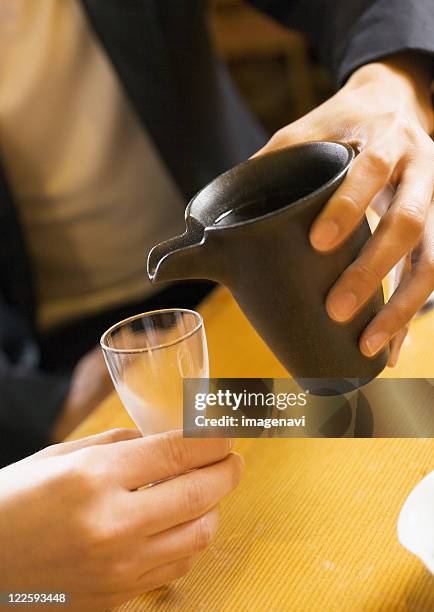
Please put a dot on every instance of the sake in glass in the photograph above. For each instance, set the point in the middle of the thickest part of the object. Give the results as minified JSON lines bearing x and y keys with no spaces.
{"x":148,"y":356}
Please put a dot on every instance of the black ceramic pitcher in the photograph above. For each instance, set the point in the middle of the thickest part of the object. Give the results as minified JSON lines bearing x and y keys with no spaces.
{"x":248,"y":229}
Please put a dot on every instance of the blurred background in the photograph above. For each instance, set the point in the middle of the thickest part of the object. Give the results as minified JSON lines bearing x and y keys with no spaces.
{"x":275,"y":70}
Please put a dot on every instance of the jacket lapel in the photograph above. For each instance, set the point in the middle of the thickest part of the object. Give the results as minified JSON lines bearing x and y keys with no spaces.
{"x":15,"y":274}
{"x":132,"y":36}
{"x":163,"y":56}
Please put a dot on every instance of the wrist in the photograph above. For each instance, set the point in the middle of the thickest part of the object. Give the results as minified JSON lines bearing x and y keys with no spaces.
{"x":404,"y":80}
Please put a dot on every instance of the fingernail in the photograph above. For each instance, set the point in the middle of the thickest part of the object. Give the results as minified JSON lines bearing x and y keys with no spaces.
{"x":324,"y":234}
{"x":375,"y":342}
{"x":342,"y":305}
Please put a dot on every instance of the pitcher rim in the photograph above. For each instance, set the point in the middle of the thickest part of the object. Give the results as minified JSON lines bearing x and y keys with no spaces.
{"x":292,"y":205}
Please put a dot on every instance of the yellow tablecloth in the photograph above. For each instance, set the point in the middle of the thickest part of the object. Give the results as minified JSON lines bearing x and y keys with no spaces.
{"x":312,"y":527}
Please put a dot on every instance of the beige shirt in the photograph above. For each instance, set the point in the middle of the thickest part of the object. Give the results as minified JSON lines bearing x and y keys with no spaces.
{"x":91,"y":189}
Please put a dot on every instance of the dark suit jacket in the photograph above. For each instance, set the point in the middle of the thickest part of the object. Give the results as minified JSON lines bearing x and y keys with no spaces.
{"x":162,"y":55}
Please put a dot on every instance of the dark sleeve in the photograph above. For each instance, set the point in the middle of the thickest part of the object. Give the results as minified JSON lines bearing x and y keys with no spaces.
{"x":350,"y":33}
{"x":29,"y":404}
{"x":29,"y":399}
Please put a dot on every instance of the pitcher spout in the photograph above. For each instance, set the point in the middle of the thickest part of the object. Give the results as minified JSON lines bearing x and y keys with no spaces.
{"x":179,"y":258}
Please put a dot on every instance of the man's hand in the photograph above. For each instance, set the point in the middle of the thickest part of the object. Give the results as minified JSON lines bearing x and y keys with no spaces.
{"x":385,"y":111}
{"x":74,"y":520}
{"x":90,"y":384}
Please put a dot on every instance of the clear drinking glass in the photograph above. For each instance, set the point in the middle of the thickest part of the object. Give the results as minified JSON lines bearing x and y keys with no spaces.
{"x":148,"y":356}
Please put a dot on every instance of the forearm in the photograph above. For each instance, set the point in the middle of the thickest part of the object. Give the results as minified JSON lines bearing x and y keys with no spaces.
{"x":350,"y":34}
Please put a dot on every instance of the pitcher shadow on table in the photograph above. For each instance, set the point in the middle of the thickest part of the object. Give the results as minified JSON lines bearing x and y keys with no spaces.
{"x":396,"y":408}
{"x":385,"y":408}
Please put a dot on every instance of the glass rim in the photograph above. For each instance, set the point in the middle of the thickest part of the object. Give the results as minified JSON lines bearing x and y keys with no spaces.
{"x":197,"y":327}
